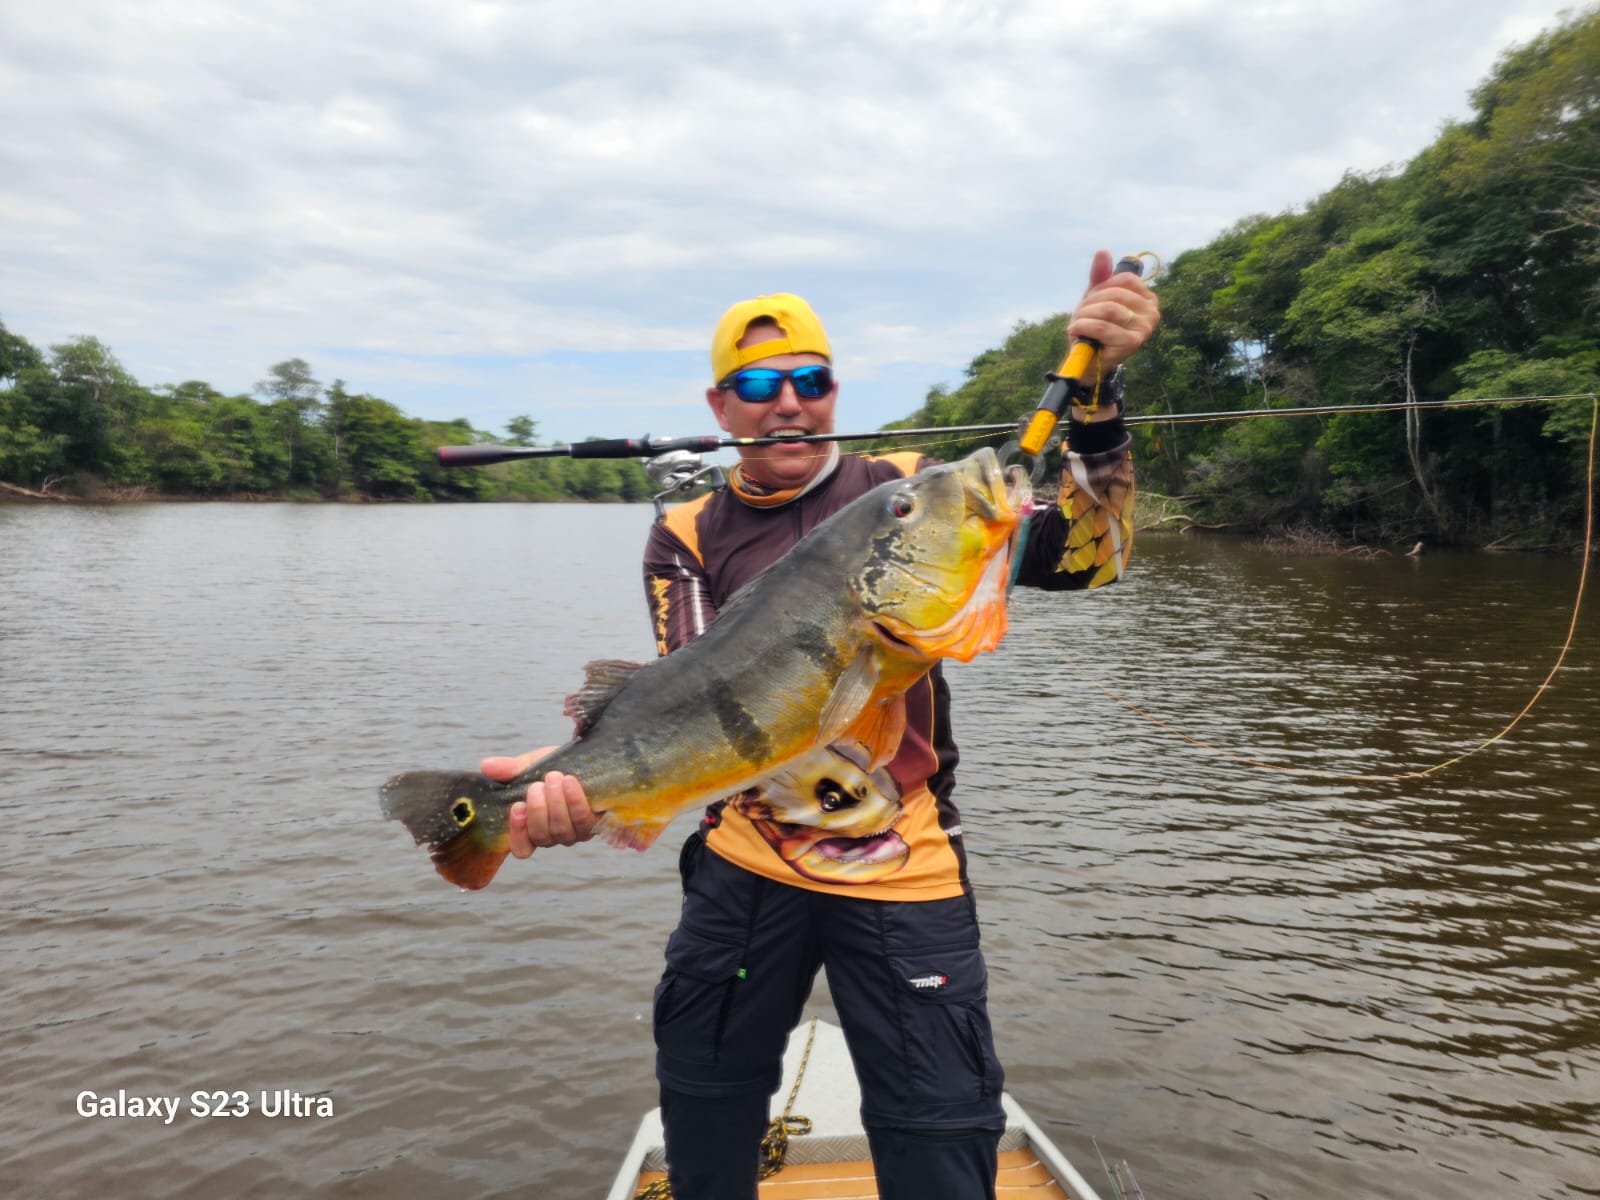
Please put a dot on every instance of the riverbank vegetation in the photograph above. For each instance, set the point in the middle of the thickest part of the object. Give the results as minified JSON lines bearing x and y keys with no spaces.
{"x":74,"y":422}
{"x":1472,"y":271}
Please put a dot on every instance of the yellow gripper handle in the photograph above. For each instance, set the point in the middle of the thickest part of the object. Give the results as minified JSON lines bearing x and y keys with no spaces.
{"x":1063,"y":380}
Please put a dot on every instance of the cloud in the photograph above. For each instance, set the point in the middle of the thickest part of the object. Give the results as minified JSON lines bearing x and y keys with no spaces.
{"x":398,"y":186}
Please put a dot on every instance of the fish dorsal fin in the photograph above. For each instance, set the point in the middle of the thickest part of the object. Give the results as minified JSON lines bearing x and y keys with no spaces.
{"x":602,"y":680}
{"x":878,"y":731}
{"x":851,"y":694}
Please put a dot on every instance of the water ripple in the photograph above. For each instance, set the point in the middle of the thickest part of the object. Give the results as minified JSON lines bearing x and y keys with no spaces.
{"x":1248,"y":983}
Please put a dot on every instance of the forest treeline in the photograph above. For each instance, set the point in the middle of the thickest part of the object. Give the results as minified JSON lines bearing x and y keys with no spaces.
{"x":73,"y":421}
{"x":1471,"y":271}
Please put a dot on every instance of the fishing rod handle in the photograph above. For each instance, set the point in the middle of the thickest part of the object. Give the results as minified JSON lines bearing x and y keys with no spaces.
{"x":1080,"y":357}
{"x":645,"y":447}
{"x":483,"y":455}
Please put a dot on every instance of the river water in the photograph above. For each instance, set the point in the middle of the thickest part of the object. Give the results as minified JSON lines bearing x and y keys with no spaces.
{"x":1247,"y":982}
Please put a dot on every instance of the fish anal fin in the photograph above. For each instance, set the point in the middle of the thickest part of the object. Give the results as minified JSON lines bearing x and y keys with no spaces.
{"x":630,"y":835}
{"x":602,"y":680}
{"x":878,"y":730}
{"x":851,"y":694}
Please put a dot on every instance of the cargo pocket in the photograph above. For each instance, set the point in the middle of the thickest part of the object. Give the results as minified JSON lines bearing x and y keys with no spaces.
{"x":949,"y":1043}
{"x":695,"y":996}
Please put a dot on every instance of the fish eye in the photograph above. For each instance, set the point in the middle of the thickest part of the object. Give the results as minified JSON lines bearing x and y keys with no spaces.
{"x":831,"y":796}
{"x":902,"y":504}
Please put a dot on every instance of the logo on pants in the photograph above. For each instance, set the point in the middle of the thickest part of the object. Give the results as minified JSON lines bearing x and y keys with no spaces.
{"x":933,"y":982}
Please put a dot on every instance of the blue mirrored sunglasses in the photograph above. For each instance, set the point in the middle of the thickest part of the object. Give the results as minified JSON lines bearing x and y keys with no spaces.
{"x":757,"y":385}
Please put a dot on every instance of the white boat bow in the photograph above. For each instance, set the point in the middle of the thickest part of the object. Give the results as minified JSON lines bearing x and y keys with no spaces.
{"x":832,"y":1160}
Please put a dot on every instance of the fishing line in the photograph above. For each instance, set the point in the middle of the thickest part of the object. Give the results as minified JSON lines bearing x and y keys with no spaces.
{"x":483,"y":454}
{"x":961,"y":440}
{"x":960,"y":435}
{"x":1318,"y":410}
{"x":1423,"y":773}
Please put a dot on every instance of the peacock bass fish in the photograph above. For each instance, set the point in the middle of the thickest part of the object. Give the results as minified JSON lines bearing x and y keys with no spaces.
{"x":816,"y":652}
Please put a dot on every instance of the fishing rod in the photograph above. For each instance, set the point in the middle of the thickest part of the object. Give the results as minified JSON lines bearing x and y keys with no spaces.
{"x":652,"y":447}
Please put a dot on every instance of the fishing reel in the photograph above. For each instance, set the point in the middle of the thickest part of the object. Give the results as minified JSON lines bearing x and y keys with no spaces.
{"x":679,"y":471}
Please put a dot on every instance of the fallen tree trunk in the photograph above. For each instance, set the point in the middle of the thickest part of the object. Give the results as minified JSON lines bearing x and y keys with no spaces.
{"x":17,"y":490}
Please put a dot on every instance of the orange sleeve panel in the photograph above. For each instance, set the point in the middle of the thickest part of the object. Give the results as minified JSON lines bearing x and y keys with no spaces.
{"x":675,"y":578}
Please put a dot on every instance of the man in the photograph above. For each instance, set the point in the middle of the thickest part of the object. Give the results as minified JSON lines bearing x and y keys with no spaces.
{"x":891,"y":916}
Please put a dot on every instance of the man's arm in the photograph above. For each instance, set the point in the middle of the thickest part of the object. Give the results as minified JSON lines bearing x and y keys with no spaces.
{"x":1085,"y":538}
{"x":675,"y":584}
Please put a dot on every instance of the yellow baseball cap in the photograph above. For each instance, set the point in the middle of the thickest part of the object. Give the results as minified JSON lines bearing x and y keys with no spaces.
{"x":803,"y":333}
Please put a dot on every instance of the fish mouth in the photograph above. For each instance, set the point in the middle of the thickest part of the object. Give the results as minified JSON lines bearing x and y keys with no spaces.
{"x":825,"y":857}
{"x":879,"y":850}
{"x":800,"y":837}
{"x":891,"y":637}
{"x":1000,"y":495}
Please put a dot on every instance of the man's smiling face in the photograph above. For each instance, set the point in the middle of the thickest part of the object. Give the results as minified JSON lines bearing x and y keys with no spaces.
{"x":786,"y":413}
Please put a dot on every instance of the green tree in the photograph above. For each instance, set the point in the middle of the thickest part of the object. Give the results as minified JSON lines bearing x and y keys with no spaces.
{"x":26,"y":451}
{"x":293,"y":394}
{"x":81,"y":406}
{"x":17,"y":355}
{"x":383,"y":450}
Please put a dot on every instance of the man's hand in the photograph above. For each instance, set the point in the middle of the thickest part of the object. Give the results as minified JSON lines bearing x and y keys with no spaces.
{"x":1118,"y":311}
{"x":555,"y":813}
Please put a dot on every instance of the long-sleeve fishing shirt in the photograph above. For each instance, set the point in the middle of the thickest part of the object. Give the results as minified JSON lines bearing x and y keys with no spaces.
{"x":706,"y":550}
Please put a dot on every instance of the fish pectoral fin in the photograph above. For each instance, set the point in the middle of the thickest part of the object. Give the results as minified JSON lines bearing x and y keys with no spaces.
{"x":602,"y":680}
{"x":878,"y":731}
{"x":630,"y":835}
{"x":850,"y":696}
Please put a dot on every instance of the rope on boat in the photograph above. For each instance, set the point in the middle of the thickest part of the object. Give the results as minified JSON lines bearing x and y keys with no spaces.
{"x":774,"y":1145}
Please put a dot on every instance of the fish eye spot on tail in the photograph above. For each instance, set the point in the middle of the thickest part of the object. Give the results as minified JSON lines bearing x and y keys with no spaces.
{"x":462,"y":811}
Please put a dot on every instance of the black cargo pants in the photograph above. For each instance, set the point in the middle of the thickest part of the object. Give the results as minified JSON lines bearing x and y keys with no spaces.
{"x":909,"y":982}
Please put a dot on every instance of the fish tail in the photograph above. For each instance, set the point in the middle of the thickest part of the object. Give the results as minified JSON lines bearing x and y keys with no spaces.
{"x":460,"y":815}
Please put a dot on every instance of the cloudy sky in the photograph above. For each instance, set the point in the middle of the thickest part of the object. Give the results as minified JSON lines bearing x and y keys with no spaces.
{"x":487,"y":209}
